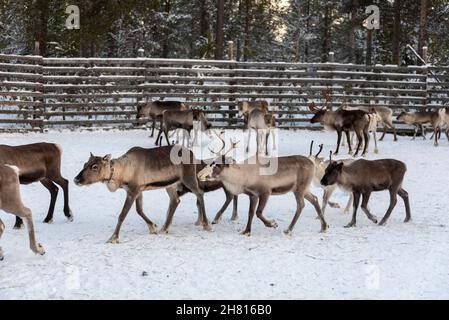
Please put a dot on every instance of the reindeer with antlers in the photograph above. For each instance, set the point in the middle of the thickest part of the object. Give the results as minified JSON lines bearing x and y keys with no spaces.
{"x":344,"y":121}
{"x":255,"y":179}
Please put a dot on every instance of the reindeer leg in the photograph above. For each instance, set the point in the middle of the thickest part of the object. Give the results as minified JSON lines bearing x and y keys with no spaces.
{"x":348,"y":139}
{"x":356,"y":196}
{"x":152,"y":127}
{"x":393,"y":201}
{"x":314,"y":201}
{"x":349,"y":203}
{"x":263,"y":199}
{"x":220,"y":212}
{"x":249,"y":140}
{"x":435,"y":133}
{"x":273,"y":138}
{"x":64,"y":184}
{"x":447,"y":133}
{"x":267,"y":133}
{"x":376,"y":150}
{"x":235,"y":215}
{"x":338,"y":142}
{"x":366,"y":139}
{"x":423,"y":132}
{"x":139,"y":208}
{"x":299,"y":206}
{"x":130,"y":198}
{"x":2,"y":229}
{"x":19,"y":223}
{"x":53,"y":189}
{"x":416,"y":131}
{"x":404,"y":195}
{"x":384,"y":132}
{"x":158,"y":137}
{"x":252,"y":207}
{"x":394,"y":132}
{"x":174,"y":202}
{"x":365,"y":209}
{"x":166,"y":138}
{"x":359,"y":142}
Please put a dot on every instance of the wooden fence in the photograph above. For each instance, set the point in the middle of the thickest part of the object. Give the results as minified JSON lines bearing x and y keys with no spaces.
{"x":37,"y":93}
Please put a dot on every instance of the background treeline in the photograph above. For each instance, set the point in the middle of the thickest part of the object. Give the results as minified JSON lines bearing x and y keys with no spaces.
{"x":262,"y":30}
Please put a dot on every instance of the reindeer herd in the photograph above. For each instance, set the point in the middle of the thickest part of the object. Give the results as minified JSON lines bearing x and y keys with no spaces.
{"x":175,"y":168}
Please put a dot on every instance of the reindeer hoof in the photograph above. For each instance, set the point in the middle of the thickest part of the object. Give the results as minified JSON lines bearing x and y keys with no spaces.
{"x":18,"y":226}
{"x":198,"y":222}
{"x":163,"y":231}
{"x":49,"y":221}
{"x":376,"y":151}
{"x":287,"y":232}
{"x":272,"y":224}
{"x":114,"y":239}
{"x":407,"y":220}
{"x":39,"y":249}
{"x":153,"y":229}
{"x":334,"y":205}
{"x":1,"y":258}
{"x":234,"y":218}
{"x":207,"y":227}
{"x":382,"y":223}
{"x":246,"y":233}
{"x":216,"y":221}
{"x":350,"y":225}
{"x":324,"y":228}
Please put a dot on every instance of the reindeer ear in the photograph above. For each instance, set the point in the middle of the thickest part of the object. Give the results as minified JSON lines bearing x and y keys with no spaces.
{"x":92,"y":155}
{"x":107,"y":157}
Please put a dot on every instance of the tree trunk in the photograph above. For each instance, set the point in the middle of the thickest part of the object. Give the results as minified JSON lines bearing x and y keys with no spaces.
{"x":246,"y":29}
{"x":353,"y":25}
{"x":396,"y":50}
{"x":369,"y":47}
{"x":165,"y":43}
{"x":326,"y":34}
{"x":422,"y":26}
{"x":219,"y":36}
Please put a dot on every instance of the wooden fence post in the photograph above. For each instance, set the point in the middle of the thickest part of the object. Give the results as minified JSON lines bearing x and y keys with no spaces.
{"x":231,"y":99}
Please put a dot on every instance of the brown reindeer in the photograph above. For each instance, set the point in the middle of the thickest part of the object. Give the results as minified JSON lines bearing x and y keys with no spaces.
{"x":344,"y":121}
{"x":173,"y":119}
{"x":419,"y":118}
{"x":293,"y":174}
{"x":39,"y":162}
{"x":138,"y":170}
{"x":154,"y":109}
{"x":11,"y":202}
{"x":362,"y":177}
{"x":245,"y":107}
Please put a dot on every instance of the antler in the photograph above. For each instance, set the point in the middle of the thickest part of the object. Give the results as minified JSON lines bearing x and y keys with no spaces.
{"x":321,"y":149}
{"x":330,"y":156}
{"x":311,"y":147}
{"x":233,"y":146}
{"x":222,"y":142}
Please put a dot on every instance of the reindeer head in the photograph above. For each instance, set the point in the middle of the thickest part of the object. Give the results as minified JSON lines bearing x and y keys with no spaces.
{"x":318,"y":113}
{"x":96,"y":169}
{"x":212,"y":171}
{"x":332,"y":172}
{"x":402,"y":116}
{"x":143,"y":111}
{"x":198,"y":115}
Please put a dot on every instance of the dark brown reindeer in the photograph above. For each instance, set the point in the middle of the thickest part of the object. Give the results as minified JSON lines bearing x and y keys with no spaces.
{"x":173,"y":119}
{"x":344,"y":121}
{"x":11,"y":202}
{"x":362,"y":177}
{"x":39,"y":162}
{"x":154,"y":109}
{"x":138,"y":170}
{"x":293,"y":174}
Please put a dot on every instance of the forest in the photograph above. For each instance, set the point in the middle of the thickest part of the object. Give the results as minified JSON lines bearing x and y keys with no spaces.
{"x":261,"y":30}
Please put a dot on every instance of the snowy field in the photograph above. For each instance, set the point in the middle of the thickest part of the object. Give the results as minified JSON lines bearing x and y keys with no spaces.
{"x":395,"y":261}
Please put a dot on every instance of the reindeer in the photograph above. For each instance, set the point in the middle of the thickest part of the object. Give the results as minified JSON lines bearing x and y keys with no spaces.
{"x":173,"y":119}
{"x":344,"y":121}
{"x":39,"y":162}
{"x":154,"y":110}
{"x":362,"y":177}
{"x":11,"y":202}
{"x":138,"y":170}
{"x":320,"y":167}
{"x":294,"y":174}
{"x":208,"y":186}
{"x":263,"y":123}
{"x":385,"y":116}
{"x":245,"y":108}
{"x":419,"y":118}
{"x":373,"y":119}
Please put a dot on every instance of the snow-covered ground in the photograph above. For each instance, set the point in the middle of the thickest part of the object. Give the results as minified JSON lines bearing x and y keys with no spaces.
{"x":396,"y":261}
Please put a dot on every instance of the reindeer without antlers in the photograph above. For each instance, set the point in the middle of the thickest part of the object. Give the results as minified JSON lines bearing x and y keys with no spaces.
{"x":154,"y":109}
{"x":174,"y":119}
{"x":11,"y":202}
{"x":293,"y":174}
{"x":362,"y":177}
{"x":142,"y":169}
{"x":39,"y":162}
{"x":264,"y":124}
{"x":419,"y":118}
{"x":344,"y":121}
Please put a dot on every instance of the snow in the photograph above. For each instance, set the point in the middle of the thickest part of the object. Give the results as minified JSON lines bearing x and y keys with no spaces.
{"x":404,"y":261}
